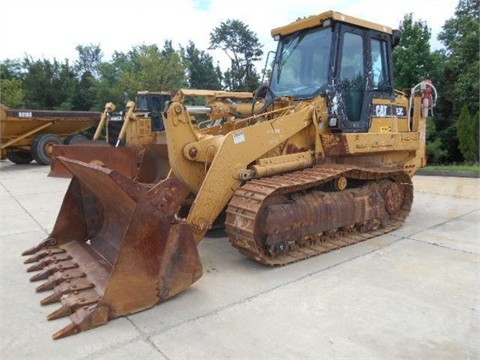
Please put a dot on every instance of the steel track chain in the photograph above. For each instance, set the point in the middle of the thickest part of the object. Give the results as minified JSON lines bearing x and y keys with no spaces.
{"x":245,"y":208}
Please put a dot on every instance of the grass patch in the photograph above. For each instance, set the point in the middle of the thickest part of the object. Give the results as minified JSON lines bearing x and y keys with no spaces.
{"x":455,"y":168}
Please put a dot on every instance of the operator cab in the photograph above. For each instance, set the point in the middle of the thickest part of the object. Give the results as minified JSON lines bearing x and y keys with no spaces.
{"x":154,"y":104}
{"x":343,"y":58}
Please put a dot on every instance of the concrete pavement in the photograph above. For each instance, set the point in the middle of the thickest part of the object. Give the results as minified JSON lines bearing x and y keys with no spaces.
{"x":410,"y":294}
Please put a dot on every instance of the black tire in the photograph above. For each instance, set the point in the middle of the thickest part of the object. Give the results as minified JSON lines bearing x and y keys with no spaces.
{"x":75,"y":139}
{"x":19,"y":157}
{"x":42,"y":148}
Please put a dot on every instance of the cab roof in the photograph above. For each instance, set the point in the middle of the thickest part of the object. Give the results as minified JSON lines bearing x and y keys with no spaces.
{"x":318,"y":20}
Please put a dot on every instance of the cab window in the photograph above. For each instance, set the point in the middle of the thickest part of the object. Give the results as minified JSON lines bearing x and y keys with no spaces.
{"x":379,"y":64}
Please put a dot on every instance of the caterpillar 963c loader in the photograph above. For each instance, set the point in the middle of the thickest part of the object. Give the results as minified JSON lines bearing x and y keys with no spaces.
{"x":319,"y":159}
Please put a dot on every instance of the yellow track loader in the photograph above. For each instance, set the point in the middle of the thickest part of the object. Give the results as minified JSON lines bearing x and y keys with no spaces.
{"x":128,"y":135}
{"x":320,"y":158}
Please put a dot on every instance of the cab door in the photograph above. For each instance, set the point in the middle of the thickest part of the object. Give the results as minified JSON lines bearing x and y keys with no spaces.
{"x":351,"y":79}
{"x":363,"y":73}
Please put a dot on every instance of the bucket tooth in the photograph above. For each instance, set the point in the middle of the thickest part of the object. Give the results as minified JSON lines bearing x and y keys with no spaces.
{"x":67,"y":287}
{"x":49,"y":285}
{"x":84,"y":318}
{"x":43,"y":253}
{"x":31,"y":251}
{"x":70,"y":329}
{"x":58,"y":278}
{"x":50,"y":299}
{"x":72,"y":302}
{"x":63,"y":311}
{"x":49,"y":260}
{"x":41,"y":275}
{"x":53,"y":268}
{"x":44,"y":245}
{"x":36,"y":267}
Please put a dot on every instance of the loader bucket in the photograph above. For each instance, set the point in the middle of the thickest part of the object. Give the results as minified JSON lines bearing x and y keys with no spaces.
{"x":115,"y":249}
{"x":145,"y":163}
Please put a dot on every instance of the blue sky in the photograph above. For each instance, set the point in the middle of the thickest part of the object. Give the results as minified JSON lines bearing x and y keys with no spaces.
{"x":204,"y":5}
{"x":53,"y":28}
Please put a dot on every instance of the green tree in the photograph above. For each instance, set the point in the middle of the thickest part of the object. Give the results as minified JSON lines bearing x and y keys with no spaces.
{"x":412,"y":63}
{"x":202,"y":74}
{"x":168,"y":49}
{"x":84,"y":92}
{"x":412,"y":60}
{"x":47,"y":84}
{"x":476,"y":131}
{"x":460,"y":35}
{"x":436,"y":153}
{"x":107,"y":89}
{"x":11,"y":91}
{"x":83,"y":95}
{"x":89,"y":59}
{"x":241,"y":45}
{"x":467,"y":132}
{"x":146,"y":67}
{"x":458,"y":84}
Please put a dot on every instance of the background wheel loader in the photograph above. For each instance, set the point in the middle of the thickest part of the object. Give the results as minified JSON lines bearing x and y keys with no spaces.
{"x":319,"y":159}
{"x":127,"y":137}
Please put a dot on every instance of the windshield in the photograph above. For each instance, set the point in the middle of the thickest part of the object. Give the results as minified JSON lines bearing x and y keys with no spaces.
{"x":152,"y":103}
{"x":302,"y":64}
{"x":142,"y":103}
